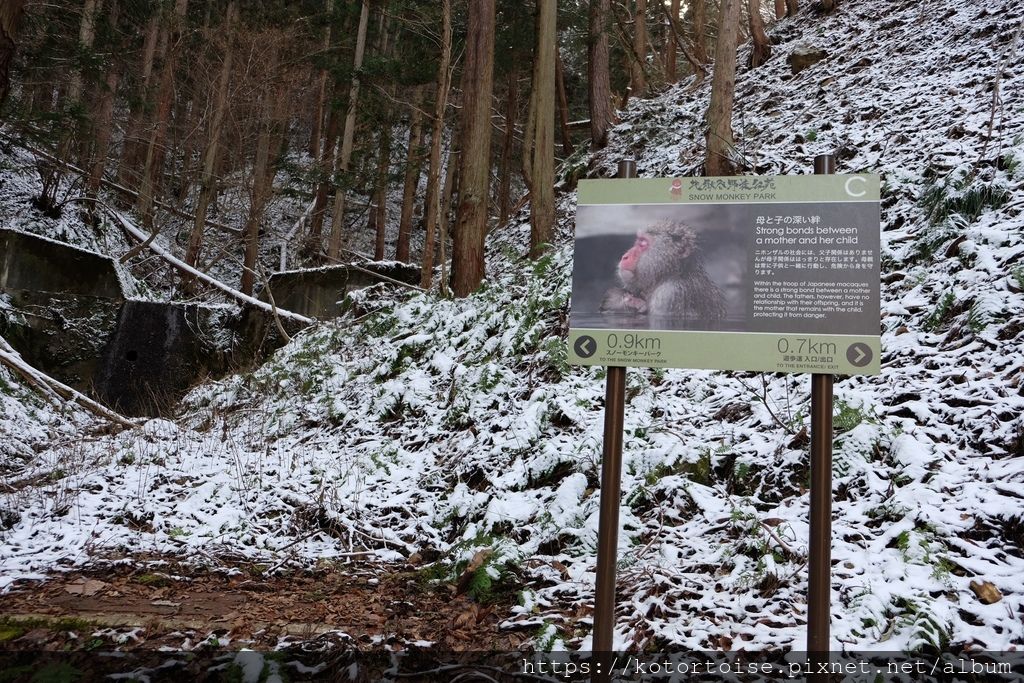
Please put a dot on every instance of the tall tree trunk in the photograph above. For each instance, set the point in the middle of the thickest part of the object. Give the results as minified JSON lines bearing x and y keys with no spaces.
{"x":379,"y":225}
{"x":324,"y":169}
{"x":828,"y":5}
{"x":131,"y":154}
{"x":508,"y":145}
{"x":378,"y":210}
{"x":104,"y":126}
{"x":86,"y":36}
{"x":262,"y":175}
{"x":321,"y":90}
{"x":723,"y":86}
{"x":780,"y":9}
{"x":80,"y":136}
{"x":257,"y":203}
{"x":678,"y":36}
{"x":348,"y":137}
{"x":791,"y":8}
{"x":699,"y":18}
{"x":762,"y":49}
{"x":475,"y":164}
{"x":671,"y":44}
{"x":103,"y":120}
{"x":602,"y":115}
{"x":563,"y":104}
{"x":638,"y":76}
{"x":208,"y":186}
{"x":432,"y":200}
{"x":412,"y":176}
{"x":451,"y":183}
{"x":541,"y":153}
{"x":155,"y":150}
{"x":10,"y":17}
{"x":190,"y":115}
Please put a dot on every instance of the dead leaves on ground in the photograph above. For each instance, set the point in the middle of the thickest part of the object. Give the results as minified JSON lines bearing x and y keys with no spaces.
{"x":371,"y":603}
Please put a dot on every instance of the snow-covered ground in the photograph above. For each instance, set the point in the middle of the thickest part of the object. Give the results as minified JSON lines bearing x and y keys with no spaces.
{"x":441,"y":427}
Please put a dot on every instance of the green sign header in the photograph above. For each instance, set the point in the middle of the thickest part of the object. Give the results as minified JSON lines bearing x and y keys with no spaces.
{"x":735,"y":189}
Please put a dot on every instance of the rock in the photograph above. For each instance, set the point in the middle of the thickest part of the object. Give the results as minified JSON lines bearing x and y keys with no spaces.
{"x":953,"y":249}
{"x":733,"y":412}
{"x":85,"y":587}
{"x":36,"y":636}
{"x":986,"y":592}
{"x":804,"y":56}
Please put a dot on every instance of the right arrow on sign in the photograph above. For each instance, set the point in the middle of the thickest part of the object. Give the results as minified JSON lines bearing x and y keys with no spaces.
{"x":859,"y":354}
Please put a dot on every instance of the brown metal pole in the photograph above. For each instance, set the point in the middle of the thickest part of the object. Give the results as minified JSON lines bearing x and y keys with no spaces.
{"x":819,"y":592}
{"x":611,"y":493}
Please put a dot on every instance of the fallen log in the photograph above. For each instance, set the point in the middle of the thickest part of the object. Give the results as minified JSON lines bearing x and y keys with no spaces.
{"x":52,"y":388}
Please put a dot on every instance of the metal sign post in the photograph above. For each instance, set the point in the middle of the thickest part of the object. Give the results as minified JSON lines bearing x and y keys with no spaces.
{"x":819,"y":570}
{"x":608,"y":522}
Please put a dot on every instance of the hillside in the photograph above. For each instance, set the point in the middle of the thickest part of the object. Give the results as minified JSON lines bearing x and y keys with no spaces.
{"x":423,"y":431}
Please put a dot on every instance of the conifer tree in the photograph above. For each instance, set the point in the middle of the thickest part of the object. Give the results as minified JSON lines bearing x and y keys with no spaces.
{"x":540,"y":153}
{"x":719,"y":159}
{"x":602,"y":115}
{"x":475,"y":160}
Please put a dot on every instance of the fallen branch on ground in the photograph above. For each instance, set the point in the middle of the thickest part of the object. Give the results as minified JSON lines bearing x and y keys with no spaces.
{"x":51,"y":387}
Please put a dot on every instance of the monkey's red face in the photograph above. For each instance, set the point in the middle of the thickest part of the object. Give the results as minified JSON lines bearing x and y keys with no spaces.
{"x":629,"y":260}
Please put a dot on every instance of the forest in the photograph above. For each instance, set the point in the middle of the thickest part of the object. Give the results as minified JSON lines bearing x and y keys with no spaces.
{"x":366,"y":109}
{"x":285,"y":299}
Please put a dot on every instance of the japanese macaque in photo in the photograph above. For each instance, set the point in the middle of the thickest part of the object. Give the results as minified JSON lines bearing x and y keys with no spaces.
{"x":663,"y":275}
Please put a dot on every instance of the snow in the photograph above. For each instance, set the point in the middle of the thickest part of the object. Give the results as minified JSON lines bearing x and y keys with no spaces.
{"x":457,"y":425}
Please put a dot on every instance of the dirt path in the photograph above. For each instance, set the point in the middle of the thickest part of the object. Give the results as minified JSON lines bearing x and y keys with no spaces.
{"x":176,"y":607}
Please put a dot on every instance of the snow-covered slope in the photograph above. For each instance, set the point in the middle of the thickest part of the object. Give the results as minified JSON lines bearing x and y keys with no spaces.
{"x":438,"y":428}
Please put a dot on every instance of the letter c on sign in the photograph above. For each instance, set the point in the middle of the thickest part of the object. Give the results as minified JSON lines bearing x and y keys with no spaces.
{"x":850,"y":191}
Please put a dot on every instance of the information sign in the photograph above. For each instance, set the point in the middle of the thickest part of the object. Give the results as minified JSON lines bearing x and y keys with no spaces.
{"x":769,"y":273}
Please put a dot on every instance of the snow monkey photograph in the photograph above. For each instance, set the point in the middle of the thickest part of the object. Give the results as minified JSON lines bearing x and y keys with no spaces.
{"x":659,"y":267}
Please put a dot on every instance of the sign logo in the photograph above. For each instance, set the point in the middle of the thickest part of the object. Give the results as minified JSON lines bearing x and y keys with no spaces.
{"x":858,"y":354}
{"x":849,"y":186}
{"x":585,"y":346}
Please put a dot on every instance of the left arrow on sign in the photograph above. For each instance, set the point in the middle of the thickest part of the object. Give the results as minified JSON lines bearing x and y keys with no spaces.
{"x":585,"y":346}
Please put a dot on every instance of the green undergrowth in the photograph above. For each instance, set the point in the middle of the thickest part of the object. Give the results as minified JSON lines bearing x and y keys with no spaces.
{"x":964,"y":194}
{"x":15,"y":627}
{"x":953,"y":202}
{"x":486,"y":567}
